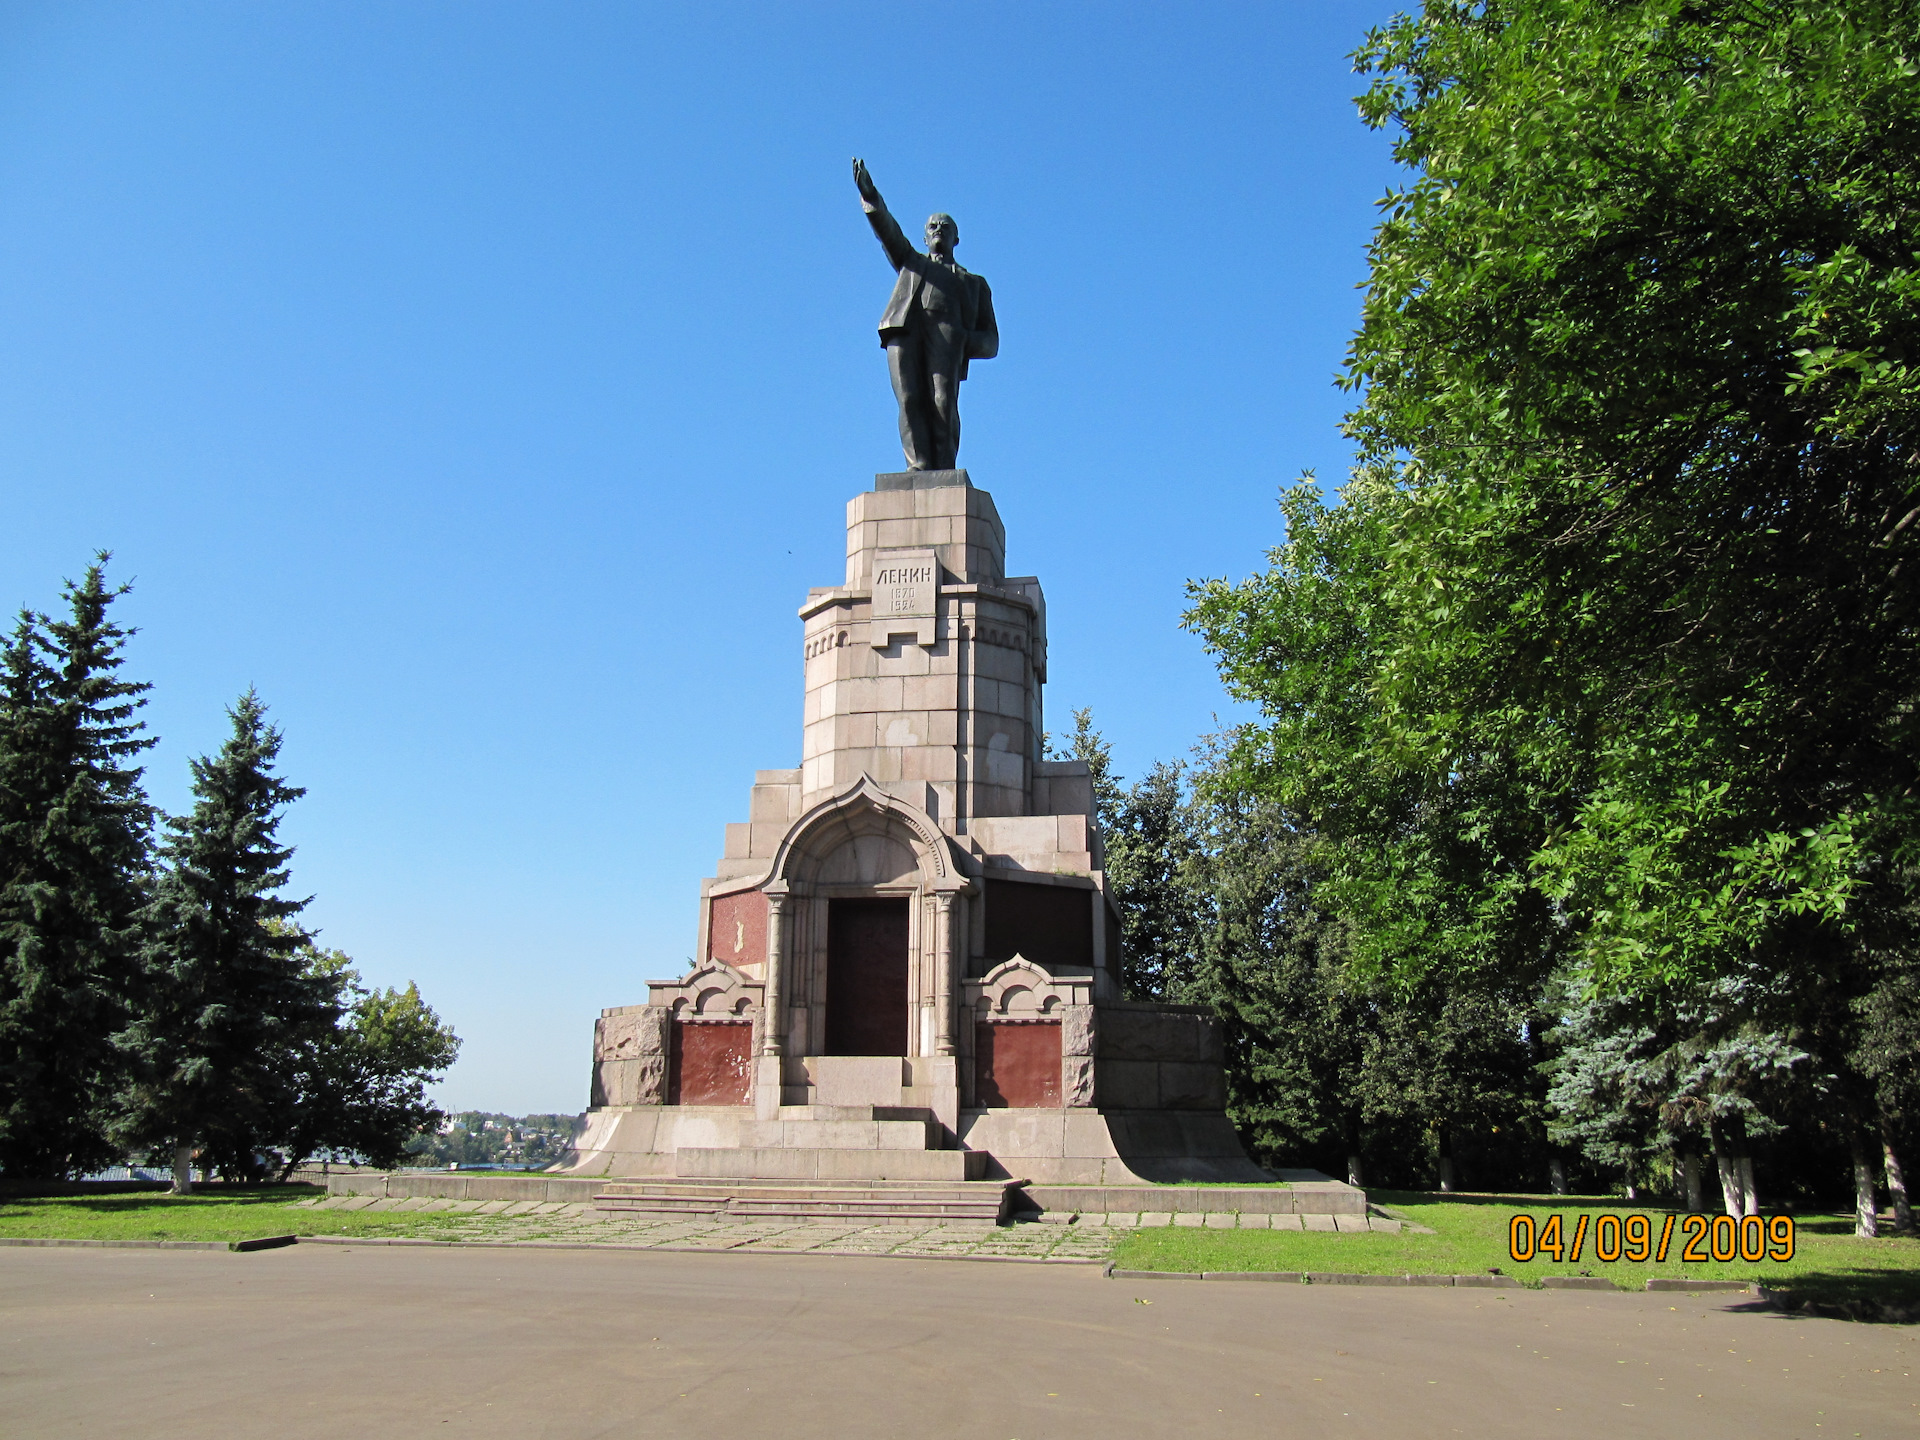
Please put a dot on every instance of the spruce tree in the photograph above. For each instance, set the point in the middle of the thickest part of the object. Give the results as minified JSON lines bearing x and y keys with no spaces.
{"x":74,"y":837}
{"x":231,"y":1004}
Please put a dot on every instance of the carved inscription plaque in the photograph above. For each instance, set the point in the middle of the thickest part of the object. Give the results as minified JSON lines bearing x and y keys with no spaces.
{"x":906,"y":596}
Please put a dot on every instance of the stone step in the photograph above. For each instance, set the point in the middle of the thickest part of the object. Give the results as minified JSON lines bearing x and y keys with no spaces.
{"x":868,"y":1212}
{"x":810,"y":1163}
{"x":869,"y":1134}
{"x":878,"y":1202}
{"x":708,"y":1188}
{"x":663,"y":1204}
{"x":856,"y":1112}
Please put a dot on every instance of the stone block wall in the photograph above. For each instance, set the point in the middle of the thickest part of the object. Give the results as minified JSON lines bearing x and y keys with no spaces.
{"x":1159,"y":1058}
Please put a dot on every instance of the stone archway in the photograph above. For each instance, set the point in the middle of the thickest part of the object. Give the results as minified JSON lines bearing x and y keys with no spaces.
{"x":861,"y":897}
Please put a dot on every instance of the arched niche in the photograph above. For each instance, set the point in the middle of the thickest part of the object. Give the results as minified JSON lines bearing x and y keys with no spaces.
{"x":865,"y":836}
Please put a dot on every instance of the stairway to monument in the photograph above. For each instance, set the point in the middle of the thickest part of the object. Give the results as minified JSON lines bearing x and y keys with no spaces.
{"x":833,"y":1143}
{"x":857,"y":1202}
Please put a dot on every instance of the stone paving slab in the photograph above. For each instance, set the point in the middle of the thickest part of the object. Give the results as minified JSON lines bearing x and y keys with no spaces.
{"x":1089,"y":1241}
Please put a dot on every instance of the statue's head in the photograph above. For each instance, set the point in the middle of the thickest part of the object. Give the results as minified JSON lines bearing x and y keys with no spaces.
{"x":942,"y":234}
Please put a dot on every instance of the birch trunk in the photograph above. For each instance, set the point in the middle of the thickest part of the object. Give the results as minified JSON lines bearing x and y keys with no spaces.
{"x":182,"y":1170}
{"x":1896,"y":1184}
{"x":1866,"y":1209}
{"x":1557,"y":1175}
{"x":1354,"y":1175}
{"x":1749,"y":1192}
{"x":1695,"y":1182}
{"x":1733,"y":1194}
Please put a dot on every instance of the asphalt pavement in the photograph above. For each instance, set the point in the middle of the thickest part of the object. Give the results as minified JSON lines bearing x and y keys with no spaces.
{"x":351,"y":1341}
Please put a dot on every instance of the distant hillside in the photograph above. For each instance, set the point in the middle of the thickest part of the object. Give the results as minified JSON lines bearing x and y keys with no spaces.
{"x":478,"y":1137}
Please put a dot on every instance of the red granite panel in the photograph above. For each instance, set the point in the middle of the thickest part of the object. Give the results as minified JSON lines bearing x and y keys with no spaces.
{"x":737,"y":929}
{"x":1017,"y":1065}
{"x":712,"y":1064}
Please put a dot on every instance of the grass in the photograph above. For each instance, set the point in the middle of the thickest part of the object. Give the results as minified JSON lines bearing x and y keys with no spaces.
{"x":1830,"y":1264}
{"x":210,"y":1215}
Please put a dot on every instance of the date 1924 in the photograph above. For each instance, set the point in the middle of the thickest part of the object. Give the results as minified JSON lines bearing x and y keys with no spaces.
{"x":1703,"y":1239}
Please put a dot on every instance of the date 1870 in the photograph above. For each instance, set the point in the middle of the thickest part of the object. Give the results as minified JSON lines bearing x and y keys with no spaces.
{"x":1702,"y":1239}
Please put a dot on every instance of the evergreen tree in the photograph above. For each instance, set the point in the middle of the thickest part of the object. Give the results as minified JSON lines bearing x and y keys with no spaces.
{"x":74,"y":838}
{"x":1149,"y":842}
{"x":230,"y":1006}
{"x":1271,"y":962}
{"x":1651,"y":1079}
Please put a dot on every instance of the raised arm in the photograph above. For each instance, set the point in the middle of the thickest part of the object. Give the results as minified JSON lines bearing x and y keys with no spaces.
{"x":885,"y":227}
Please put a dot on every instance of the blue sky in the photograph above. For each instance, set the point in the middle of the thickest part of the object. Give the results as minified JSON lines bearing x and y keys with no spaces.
{"x":485,"y":383}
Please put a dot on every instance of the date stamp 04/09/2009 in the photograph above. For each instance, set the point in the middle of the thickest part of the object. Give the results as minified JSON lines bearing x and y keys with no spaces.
{"x":1717,"y":1239}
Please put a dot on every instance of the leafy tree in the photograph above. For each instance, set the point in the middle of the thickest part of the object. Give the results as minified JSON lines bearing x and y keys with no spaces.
{"x":1603,"y":665}
{"x":1886,"y":1054}
{"x":228,"y":1003}
{"x":362,"y":1082}
{"x":1638,"y":348}
{"x":74,"y":835}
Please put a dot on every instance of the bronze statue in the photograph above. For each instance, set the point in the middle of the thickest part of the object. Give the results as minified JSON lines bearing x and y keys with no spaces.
{"x":940,"y":317}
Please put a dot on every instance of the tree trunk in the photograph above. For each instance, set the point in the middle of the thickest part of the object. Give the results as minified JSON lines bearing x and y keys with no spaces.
{"x":1557,"y":1175}
{"x":1733,"y":1194}
{"x":1696,"y":1188}
{"x":1736,"y":1167}
{"x":1446,"y":1160}
{"x":1350,"y":1138}
{"x":1866,"y":1209}
{"x":1896,"y":1183}
{"x":182,"y":1170}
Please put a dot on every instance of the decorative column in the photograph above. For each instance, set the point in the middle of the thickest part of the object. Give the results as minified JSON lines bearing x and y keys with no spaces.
{"x":773,"y":1025}
{"x":769,"y":1070}
{"x":943,"y":971}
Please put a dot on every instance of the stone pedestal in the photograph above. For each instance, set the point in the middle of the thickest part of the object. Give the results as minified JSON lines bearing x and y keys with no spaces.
{"x":925,"y":882}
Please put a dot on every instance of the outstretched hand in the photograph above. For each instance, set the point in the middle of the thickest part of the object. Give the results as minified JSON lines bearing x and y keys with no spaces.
{"x":864,"y":183}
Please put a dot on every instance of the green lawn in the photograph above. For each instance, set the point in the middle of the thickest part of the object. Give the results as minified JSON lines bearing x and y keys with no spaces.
{"x":1471,"y":1238}
{"x":211,"y":1215}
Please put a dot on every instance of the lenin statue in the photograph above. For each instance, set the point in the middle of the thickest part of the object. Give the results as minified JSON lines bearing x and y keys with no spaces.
{"x":939,"y":318}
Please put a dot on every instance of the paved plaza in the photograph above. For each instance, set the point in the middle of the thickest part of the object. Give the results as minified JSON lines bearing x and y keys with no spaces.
{"x":327,"y":1341}
{"x":1089,"y":1239}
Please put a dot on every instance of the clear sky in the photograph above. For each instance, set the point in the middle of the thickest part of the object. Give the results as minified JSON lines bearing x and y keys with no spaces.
{"x":485,"y":384}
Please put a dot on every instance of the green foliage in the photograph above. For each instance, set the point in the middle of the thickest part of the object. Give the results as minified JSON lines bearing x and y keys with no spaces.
{"x":228,"y":1002}
{"x":362,"y":1082}
{"x":1597,"y":686}
{"x":1149,"y":846}
{"x":148,"y":1010}
{"x":250,"y":1039}
{"x":1638,"y":351}
{"x":74,"y":827}
{"x":1272,"y":964}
